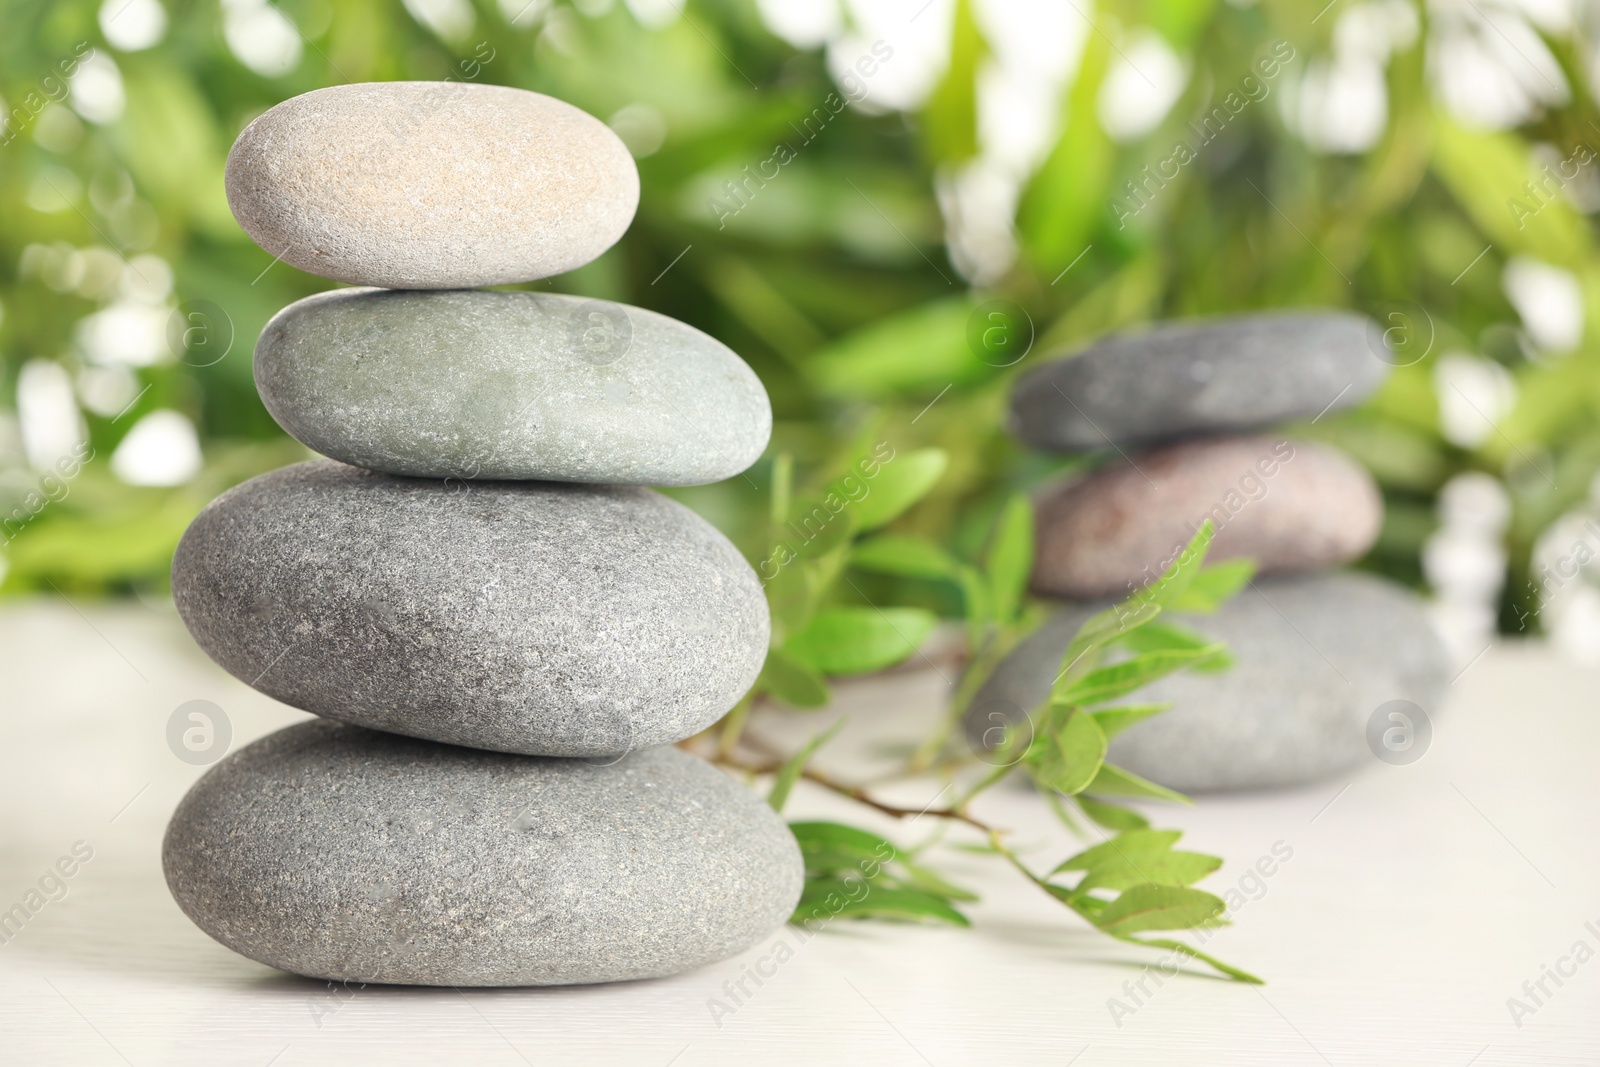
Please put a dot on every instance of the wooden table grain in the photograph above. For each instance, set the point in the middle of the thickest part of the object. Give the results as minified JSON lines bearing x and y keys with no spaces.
{"x":1396,"y":911}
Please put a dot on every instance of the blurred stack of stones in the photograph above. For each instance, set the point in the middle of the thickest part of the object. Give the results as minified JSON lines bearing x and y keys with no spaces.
{"x":502,"y":632}
{"x":1179,"y":419}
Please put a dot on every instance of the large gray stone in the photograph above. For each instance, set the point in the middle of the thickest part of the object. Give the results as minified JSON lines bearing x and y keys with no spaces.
{"x":534,"y":617}
{"x":356,"y":856}
{"x":1202,"y":376}
{"x":510,"y":385}
{"x":1316,"y":656}
{"x":431,"y":185}
{"x":1288,"y":505}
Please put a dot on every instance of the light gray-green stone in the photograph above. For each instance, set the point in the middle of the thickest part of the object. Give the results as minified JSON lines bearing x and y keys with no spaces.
{"x":471,"y":384}
{"x":534,"y":617}
{"x":355,"y":856}
{"x":1316,"y":656}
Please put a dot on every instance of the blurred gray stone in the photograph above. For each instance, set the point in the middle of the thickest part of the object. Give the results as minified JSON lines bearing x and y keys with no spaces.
{"x":1200,"y":376}
{"x":356,"y":856}
{"x":1289,"y":505}
{"x":510,"y":385}
{"x":431,"y":185}
{"x":535,"y":617}
{"x":1315,"y":656}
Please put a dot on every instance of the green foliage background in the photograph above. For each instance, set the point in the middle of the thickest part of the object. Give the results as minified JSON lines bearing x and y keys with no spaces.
{"x":834,"y":283}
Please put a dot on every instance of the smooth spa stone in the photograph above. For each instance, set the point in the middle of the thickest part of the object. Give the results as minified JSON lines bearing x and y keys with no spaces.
{"x":356,"y":856}
{"x":431,"y":185}
{"x":483,"y":384}
{"x":1197,"y":377}
{"x":535,"y":617}
{"x":1289,"y":505}
{"x":1314,"y":657}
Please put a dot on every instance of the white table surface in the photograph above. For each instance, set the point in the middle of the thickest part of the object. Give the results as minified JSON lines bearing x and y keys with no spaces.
{"x":1417,"y":901}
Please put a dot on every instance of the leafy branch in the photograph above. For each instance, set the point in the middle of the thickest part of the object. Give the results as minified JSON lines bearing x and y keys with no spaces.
{"x":1128,"y":886}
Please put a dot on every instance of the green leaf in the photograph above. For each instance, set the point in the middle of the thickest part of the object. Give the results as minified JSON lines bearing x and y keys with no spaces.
{"x":792,"y":681}
{"x":905,"y":557}
{"x":1111,"y":816}
{"x":975,"y":604}
{"x":782,"y":489}
{"x":919,"y":877}
{"x":862,"y":898}
{"x":1120,"y":679}
{"x":1182,"y":571}
{"x":852,"y":872}
{"x":168,"y":138}
{"x":1058,"y":806}
{"x":1214,"y":586}
{"x":922,"y":348}
{"x":1160,"y":868}
{"x":950,"y":117}
{"x":1115,"y":720}
{"x":792,"y":768}
{"x":1134,"y":841}
{"x":1188,"y":950}
{"x":789,"y":593}
{"x":1099,"y":630}
{"x":1066,"y":200}
{"x":1160,"y":907}
{"x":1115,"y":781}
{"x":900,"y":483}
{"x":1010,"y":559}
{"x":1485,"y":171}
{"x":1162,"y":637}
{"x":860,"y":640}
{"x":829,"y":847}
{"x":821,"y":526}
{"x":1071,"y":756}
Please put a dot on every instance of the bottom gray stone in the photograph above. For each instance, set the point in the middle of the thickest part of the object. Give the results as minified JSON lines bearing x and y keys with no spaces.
{"x":345,"y":854}
{"x":1315,"y":657}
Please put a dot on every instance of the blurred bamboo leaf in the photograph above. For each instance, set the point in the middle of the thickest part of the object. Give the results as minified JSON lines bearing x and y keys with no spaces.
{"x":950,"y":119}
{"x":924,"y":348}
{"x":901,"y":483}
{"x":841,"y":641}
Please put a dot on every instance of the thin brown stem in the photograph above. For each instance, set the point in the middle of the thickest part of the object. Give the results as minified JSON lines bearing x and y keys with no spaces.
{"x":861,"y":796}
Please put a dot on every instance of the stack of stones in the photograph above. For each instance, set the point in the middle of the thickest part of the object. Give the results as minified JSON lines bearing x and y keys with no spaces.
{"x":1181,"y":417}
{"x":502,"y":632}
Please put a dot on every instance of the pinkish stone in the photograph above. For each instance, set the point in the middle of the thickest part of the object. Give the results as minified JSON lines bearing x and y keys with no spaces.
{"x":1289,"y":505}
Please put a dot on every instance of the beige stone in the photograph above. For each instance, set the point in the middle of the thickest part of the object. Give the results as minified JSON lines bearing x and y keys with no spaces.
{"x":431,"y":185}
